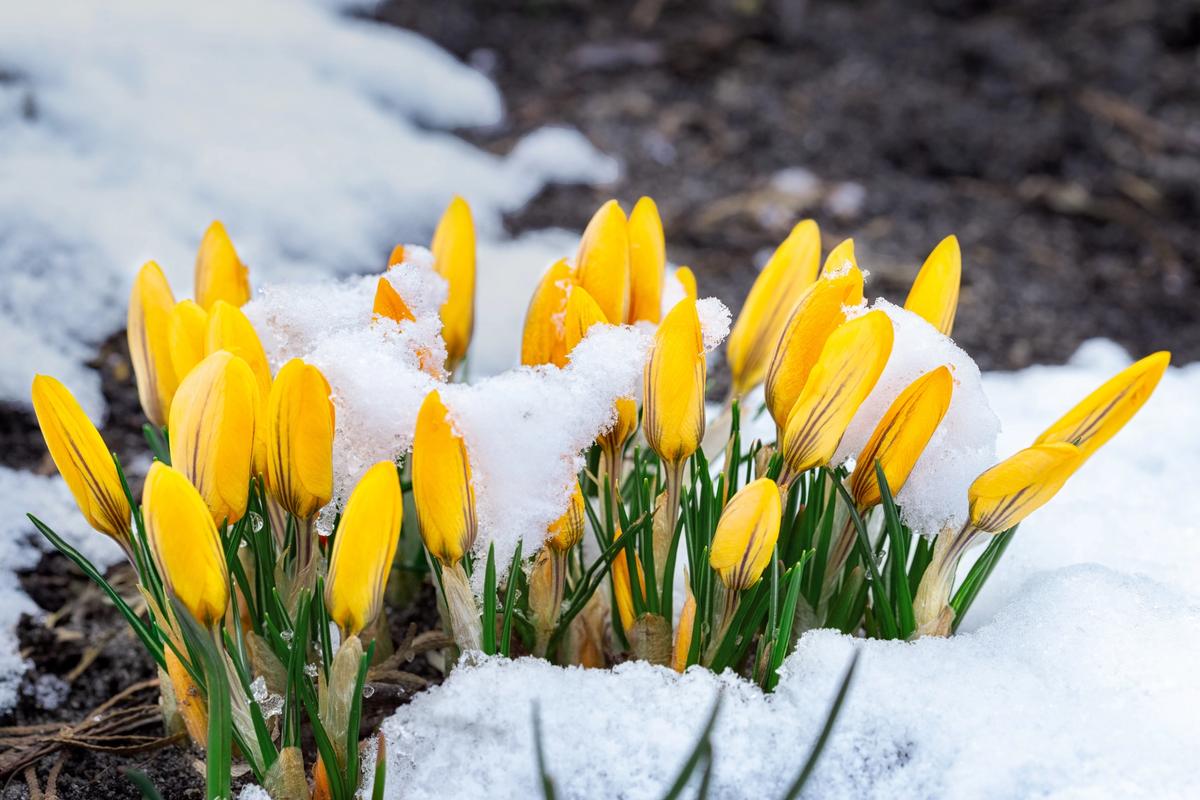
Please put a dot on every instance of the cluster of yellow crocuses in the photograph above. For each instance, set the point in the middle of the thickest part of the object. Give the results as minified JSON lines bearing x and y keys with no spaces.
{"x":803,"y":334}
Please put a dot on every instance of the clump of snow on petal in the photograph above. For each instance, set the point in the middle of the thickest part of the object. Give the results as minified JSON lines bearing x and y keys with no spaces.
{"x":714,"y":322}
{"x":964,"y":445}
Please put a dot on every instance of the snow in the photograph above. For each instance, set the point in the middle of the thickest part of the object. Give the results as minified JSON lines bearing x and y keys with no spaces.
{"x":1073,"y":676}
{"x":318,"y":138}
{"x":21,"y":547}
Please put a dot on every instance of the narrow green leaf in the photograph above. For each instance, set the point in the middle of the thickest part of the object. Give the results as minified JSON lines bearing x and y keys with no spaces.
{"x":830,"y":719}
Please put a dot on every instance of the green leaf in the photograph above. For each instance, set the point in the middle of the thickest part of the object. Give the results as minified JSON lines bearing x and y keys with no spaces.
{"x":702,"y":751}
{"x":980,"y":571}
{"x":898,"y":539}
{"x":220,"y":713}
{"x":830,"y":719}
{"x":143,"y":783}
{"x":510,"y":593}
{"x":547,"y":782}
{"x":882,"y":607}
{"x":489,"y":602}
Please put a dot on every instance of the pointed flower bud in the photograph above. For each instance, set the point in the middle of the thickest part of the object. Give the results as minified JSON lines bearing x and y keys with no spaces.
{"x":687,"y":279}
{"x":613,"y":440}
{"x":220,"y":274}
{"x":647,"y":262}
{"x":363,"y":549}
{"x":185,"y":543}
{"x":212,"y":433}
{"x":542,"y":339}
{"x":851,"y":361}
{"x":1099,"y":416}
{"x":188,"y":332}
{"x":567,"y":531}
{"x":389,"y":304}
{"x":673,"y":408}
{"x":775,"y":292}
{"x":582,"y":313}
{"x":901,"y":436}
{"x":148,"y":327}
{"x":82,"y":459}
{"x":602,"y":263}
{"x":229,"y":329}
{"x":683,"y":633}
{"x":454,"y":259}
{"x":746,"y":534}
{"x":934,"y":294}
{"x":623,"y":589}
{"x":442,"y":490}
{"x":299,"y":435}
{"x":819,"y":313}
{"x":1013,"y":489}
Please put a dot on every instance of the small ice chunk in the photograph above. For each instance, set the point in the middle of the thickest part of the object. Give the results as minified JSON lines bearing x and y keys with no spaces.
{"x":714,"y":322}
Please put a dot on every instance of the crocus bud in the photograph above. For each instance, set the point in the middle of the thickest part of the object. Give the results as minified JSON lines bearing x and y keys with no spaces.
{"x":212,"y":433}
{"x":188,"y":332}
{"x":567,"y":531}
{"x":229,"y":329}
{"x":687,"y":279}
{"x":454,"y":259}
{"x":542,"y":338}
{"x":901,"y":436}
{"x":647,"y":262}
{"x":1105,"y":411}
{"x":220,"y":274}
{"x":148,"y":326}
{"x":82,"y":458}
{"x":673,"y":382}
{"x":840,"y":259}
{"x":683,"y":633}
{"x":363,"y":549}
{"x":746,"y":534}
{"x":602,"y":263}
{"x":1013,"y":489}
{"x":396,"y":256}
{"x":820,"y":311}
{"x":299,"y":434}
{"x":185,"y":543}
{"x":774,"y":294}
{"x":582,"y":313}
{"x":850,"y":363}
{"x":442,"y":490}
{"x":623,"y":589}
{"x":934,"y":294}
{"x":613,"y":440}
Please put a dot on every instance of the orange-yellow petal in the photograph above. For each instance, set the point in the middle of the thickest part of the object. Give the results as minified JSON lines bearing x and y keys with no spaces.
{"x":934,"y":294}
{"x":188,"y":331}
{"x":454,"y":259}
{"x":602,"y":264}
{"x":148,"y":327}
{"x":673,"y":383}
{"x":582,"y":313}
{"x":442,"y":490}
{"x":542,"y":339}
{"x":1013,"y":489}
{"x":220,"y":274}
{"x":746,"y":534}
{"x":299,"y":435}
{"x":647,"y":262}
{"x":567,"y":531}
{"x":687,"y":279}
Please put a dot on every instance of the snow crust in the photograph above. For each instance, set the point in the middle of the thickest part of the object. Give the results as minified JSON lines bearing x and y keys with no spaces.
{"x":1074,"y":676}
{"x":127,"y":126}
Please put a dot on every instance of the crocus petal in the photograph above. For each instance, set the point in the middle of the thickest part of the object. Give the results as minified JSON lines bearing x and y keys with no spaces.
{"x":851,"y":361}
{"x":746,"y":534}
{"x":582,"y":313}
{"x":602,"y":263}
{"x":454,"y":259}
{"x":1013,"y":489}
{"x":567,"y":531}
{"x":673,"y":383}
{"x":188,"y":332}
{"x":934,"y":294}
{"x":148,"y":326}
{"x":185,"y":543}
{"x":647,"y":262}
{"x":364,"y":548}
{"x":775,"y":292}
{"x":299,"y":435}
{"x":623,"y":589}
{"x":542,"y":338}
{"x":220,"y":274}
{"x":687,"y":279}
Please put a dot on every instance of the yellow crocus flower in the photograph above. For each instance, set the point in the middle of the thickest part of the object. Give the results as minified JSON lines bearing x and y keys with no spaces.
{"x":687,"y":279}
{"x":901,"y":436}
{"x":775,"y":292}
{"x":582,"y":313}
{"x":212,"y":432}
{"x":299,"y":435}
{"x":851,"y":361}
{"x":396,"y":256}
{"x":454,"y":259}
{"x":188,"y":332}
{"x":746,"y":534}
{"x":363,"y":549}
{"x":442,"y":490}
{"x":82,"y":458}
{"x":185,"y":543}
{"x":229,"y":329}
{"x":148,"y":327}
{"x":389,"y":304}
{"x":647,"y":262}
{"x":840,"y":258}
{"x":220,"y":274}
{"x":542,"y":338}
{"x":934,"y":294}
{"x":623,"y":589}
{"x":673,"y":382}
{"x":818,"y":314}
{"x":614,"y":439}
{"x":567,"y":531}
{"x":683,"y":633}
{"x":602,"y":263}
{"x":1013,"y":489}
{"x":1099,"y":416}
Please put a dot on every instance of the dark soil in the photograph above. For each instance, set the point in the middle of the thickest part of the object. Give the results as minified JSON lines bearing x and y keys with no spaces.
{"x":1059,"y":140}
